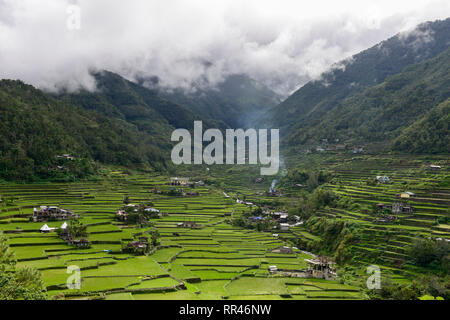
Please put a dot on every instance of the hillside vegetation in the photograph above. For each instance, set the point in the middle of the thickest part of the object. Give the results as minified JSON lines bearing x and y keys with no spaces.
{"x":382,"y":112}
{"x":35,"y":128}
{"x":372,"y":96}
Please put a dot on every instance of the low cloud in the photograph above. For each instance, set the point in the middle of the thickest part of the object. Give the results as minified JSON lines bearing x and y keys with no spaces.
{"x":196,"y":43}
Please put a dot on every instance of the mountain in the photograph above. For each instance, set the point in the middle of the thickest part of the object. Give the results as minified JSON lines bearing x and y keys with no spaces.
{"x":121,"y":122}
{"x":117,"y":97}
{"x":382,"y":112}
{"x":236,"y":102}
{"x":36,"y":128}
{"x":314,"y":104}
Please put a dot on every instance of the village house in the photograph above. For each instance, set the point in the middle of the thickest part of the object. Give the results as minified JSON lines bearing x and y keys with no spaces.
{"x":382,"y":179}
{"x":280,"y":216}
{"x":188,"y":224}
{"x":283,"y":250}
{"x":46,"y":229}
{"x":435,"y":167}
{"x":358,"y":150}
{"x":283,"y":217}
{"x":176,"y":181}
{"x":274,"y":192}
{"x":72,"y":241}
{"x":121,"y":215}
{"x":322,"y":268}
{"x":284,"y":226}
{"x":137,"y":247}
{"x":151,"y":210}
{"x":79,"y":243}
{"x":406,"y":195}
{"x":66,"y":157}
{"x":52,"y":213}
{"x":272,"y":269}
{"x":399,"y":207}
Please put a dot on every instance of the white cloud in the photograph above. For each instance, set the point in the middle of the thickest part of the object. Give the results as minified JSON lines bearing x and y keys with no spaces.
{"x":197,"y":42}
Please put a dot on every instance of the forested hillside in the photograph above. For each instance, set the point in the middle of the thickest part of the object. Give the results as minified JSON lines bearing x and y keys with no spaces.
{"x":428,"y":135}
{"x":236,"y":102}
{"x":36,"y":128}
{"x":320,"y":99}
{"x":382,"y":112}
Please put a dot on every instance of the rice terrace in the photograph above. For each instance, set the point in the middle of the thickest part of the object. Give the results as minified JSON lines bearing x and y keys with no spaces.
{"x":202,"y":254}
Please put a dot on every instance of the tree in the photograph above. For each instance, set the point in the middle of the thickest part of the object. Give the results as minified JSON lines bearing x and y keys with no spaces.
{"x":77,"y":229}
{"x":22,"y":283}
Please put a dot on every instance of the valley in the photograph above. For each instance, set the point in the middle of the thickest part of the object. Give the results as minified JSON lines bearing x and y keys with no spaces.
{"x":216,"y":259}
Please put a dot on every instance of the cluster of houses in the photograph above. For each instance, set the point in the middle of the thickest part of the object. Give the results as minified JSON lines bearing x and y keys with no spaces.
{"x":281,"y":218}
{"x":178,"y":181}
{"x":122,"y":214}
{"x":188,"y":224}
{"x":137,"y":247}
{"x":322,"y":268}
{"x":185,"y":182}
{"x":52,"y":213}
{"x":319,"y":267}
{"x":396,"y":208}
{"x":81,"y":242}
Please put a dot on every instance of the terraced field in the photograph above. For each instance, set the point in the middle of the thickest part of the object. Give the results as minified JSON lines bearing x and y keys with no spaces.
{"x":385,"y":243}
{"x":215,"y":261}
{"x":218,"y":260}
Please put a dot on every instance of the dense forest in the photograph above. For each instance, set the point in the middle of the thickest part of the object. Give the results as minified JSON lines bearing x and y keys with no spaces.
{"x":36,"y":128}
{"x":382,"y":112}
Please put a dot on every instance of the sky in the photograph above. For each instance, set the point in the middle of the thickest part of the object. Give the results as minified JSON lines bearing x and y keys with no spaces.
{"x":56,"y":44}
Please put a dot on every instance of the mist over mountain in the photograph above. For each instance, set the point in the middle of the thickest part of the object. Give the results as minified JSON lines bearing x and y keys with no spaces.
{"x":395,"y":94}
{"x":329,"y":108}
{"x":197,"y":43}
{"x":238,"y":101}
